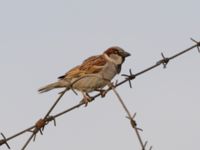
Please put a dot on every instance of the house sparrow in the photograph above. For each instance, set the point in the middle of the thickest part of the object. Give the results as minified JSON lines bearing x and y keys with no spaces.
{"x":93,"y":74}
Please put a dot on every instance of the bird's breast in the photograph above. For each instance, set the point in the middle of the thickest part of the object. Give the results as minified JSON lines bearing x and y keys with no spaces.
{"x":109,"y":71}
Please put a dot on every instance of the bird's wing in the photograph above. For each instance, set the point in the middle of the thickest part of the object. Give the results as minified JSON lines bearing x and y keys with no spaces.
{"x":91,"y":65}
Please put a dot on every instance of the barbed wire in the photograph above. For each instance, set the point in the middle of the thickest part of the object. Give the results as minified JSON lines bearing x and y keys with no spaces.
{"x":130,"y":117}
{"x":41,"y":123}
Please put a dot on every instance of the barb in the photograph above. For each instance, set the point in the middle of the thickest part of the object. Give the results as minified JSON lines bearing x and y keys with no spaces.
{"x":198,"y":44}
{"x":186,"y":50}
{"x":128,"y":78}
{"x":4,"y":141}
{"x":40,"y":124}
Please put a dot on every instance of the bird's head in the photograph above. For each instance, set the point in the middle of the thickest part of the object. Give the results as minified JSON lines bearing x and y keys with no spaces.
{"x":116,"y":54}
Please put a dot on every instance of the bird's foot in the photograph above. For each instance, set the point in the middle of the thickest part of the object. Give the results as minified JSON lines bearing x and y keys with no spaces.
{"x":86,"y":99}
{"x":102,"y":92}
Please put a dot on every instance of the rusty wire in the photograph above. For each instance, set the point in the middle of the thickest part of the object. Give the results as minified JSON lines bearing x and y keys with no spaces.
{"x":41,"y":123}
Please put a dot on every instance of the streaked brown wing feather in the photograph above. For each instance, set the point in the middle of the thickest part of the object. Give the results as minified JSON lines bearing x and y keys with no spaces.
{"x":91,"y":65}
{"x":71,"y":73}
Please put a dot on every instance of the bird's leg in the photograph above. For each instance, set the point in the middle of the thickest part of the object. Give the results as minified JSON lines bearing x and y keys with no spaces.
{"x":102,"y":92}
{"x":86,"y":98}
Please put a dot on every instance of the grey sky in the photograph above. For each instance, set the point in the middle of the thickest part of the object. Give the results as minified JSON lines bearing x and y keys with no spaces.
{"x":42,"y":39}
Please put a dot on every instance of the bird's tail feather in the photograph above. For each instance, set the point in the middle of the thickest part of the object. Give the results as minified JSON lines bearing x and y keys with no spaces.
{"x":58,"y":84}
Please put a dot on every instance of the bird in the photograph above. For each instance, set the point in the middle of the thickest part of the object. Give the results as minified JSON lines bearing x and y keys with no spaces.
{"x":93,"y":74}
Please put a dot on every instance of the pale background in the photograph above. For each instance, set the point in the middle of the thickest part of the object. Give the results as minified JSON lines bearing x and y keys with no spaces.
{"x":41,"y":39}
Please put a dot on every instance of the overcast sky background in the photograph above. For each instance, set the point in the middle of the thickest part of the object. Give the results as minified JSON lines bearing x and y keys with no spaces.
{"x":41,"y":39}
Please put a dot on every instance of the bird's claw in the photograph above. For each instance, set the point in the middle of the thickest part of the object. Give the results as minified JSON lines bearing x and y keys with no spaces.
{"x":102,"y":92}
{"x":86,"y":99}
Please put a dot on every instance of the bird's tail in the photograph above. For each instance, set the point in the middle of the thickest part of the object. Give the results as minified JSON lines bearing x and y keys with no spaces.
{"x":58,"y":84}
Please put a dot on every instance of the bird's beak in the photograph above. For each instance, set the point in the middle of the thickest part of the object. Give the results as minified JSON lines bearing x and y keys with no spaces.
{"x":126,"y":54}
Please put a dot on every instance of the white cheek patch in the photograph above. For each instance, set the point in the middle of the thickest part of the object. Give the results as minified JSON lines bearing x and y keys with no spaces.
{"x":108,"y":58}
{"x":116,"y":59}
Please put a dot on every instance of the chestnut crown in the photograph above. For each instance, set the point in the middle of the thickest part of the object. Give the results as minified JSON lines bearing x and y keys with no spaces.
{"x":117,"y":51}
